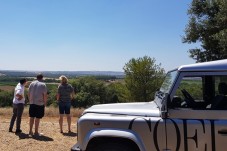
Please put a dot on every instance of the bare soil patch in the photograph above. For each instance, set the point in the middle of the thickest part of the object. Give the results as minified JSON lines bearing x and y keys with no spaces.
{"x":7,"y":88}
{"x":52,"y":139}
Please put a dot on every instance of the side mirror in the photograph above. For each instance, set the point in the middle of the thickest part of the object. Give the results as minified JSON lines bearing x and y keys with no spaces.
{"x":176,"y":102}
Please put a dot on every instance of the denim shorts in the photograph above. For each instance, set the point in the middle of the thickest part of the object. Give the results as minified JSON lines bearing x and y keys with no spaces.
{"x":64,"y":107}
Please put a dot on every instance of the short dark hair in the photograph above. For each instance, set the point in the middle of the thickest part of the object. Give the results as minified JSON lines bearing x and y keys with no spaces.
{"x":39,"y":76}
{"x":22,"y":81}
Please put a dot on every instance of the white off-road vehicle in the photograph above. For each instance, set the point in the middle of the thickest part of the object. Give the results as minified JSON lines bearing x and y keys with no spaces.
{"x":189,"y":113}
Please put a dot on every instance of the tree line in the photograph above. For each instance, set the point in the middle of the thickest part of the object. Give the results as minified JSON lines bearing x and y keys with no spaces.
{"x":142,"y":78}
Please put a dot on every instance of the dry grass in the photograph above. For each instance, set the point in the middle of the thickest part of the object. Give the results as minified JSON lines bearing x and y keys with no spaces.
{"x":49,"y":111}
{"x":52,"y":139}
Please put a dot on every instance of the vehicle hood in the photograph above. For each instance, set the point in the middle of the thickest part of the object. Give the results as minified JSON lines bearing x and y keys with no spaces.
{"x":135,"y":109}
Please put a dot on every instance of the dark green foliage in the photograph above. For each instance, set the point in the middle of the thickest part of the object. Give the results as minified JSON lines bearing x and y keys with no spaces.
{"x":104,"y":77}
{"x":51,"y":80}
{"x":52,"y":94}
{"x":90,"y":91}
{"x":143,"y":78}
{"x":85,"y":99}
{"x":208,"y":26}
{"x":10,"y":81}
{"x":117,"y":92}
{"x":6,"y":98}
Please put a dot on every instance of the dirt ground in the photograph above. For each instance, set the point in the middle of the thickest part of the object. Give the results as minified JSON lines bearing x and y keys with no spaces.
{"x":51,"y":140}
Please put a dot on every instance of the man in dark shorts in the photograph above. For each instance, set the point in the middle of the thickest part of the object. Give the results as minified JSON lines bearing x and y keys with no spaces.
{"x":37,"y":94}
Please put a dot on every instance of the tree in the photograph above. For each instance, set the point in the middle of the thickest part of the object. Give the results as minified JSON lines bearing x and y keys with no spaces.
{"x":142,"y":78}
{"x":52,"y":95}
{"x":117,"y":92}
{"x":89,"y":91}
{"x":208,"y":26}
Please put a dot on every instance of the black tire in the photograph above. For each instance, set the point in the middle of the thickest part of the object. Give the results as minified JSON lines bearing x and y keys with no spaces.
{"x":111,"y":146}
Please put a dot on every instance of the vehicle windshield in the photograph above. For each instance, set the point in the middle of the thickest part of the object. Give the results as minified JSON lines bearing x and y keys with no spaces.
{"x":165,"y":89}
{"x":168,"y":82}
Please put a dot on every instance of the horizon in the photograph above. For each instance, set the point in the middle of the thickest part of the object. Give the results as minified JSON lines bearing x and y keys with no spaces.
{"x":21,"y":73}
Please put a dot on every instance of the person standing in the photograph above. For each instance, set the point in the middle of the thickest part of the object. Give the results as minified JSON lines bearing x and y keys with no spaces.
{"x":18,"y":106}
{"x":64,"y":98}
{"x":37,"y":94}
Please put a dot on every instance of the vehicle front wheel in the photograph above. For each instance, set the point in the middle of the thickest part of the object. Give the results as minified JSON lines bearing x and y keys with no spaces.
{"x":111,"y":146}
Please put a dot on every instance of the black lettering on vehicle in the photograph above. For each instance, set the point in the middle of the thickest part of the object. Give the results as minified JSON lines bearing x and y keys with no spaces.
{"x":185,"y":136}
{"x":178,"y":134}
{"x":213,"y":135}
{"x":147,"y":121}
{"x":195,"y":138}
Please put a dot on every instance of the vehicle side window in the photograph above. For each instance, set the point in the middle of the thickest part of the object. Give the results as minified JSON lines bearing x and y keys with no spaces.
{"x":219,"y":102}
{"x":193,"y":85}
{"x":202,"y":93}
{"x":190,"y":93}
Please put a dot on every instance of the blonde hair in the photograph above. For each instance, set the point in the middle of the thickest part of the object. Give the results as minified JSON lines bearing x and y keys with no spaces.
{"x":63,"y":79}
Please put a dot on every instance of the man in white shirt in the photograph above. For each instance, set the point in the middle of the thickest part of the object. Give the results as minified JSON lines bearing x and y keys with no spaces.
{"x":18,"y":106}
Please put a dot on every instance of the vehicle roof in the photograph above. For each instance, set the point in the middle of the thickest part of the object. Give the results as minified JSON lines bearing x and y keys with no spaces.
{"x":219,"y":65}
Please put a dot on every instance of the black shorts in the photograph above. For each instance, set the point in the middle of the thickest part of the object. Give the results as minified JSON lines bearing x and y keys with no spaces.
{"x":36,"y":111}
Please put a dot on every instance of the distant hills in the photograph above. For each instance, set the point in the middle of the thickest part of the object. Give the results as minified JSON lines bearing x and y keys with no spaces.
{"x":56,"y":74}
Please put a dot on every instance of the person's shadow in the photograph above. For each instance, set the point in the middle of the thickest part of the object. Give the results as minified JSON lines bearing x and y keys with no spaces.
{"x":71,"y":134}
{"x":36,"y":137}
{"x":22,"y":135}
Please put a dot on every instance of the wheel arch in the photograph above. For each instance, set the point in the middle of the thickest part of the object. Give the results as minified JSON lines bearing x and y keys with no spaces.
{"x":104,"y":135}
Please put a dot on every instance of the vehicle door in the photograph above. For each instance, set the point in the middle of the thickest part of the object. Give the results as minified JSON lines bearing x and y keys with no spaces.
{"x":193,"y":124}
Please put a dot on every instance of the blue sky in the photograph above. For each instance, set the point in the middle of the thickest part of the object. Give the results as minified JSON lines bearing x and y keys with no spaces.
{"x":91,"y":35}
